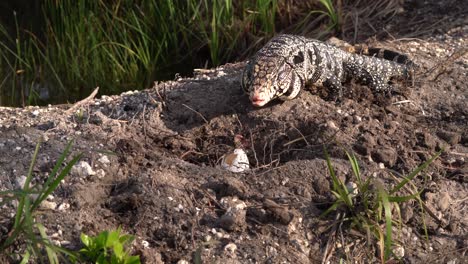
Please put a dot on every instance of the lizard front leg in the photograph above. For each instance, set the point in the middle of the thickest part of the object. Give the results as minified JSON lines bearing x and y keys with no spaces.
{"x":333,"y":84}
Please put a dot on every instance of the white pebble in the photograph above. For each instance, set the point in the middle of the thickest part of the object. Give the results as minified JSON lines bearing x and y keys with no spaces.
{"x":145,"y":244}
{"x":20,"y":181}
{"x":63,"y":207}
{"x":104,"y":160}
{"x":48,"y":205}
{"x":231,"y":247}
{"x":332,"y":125}
{"x":82,"y":169}
{"x":399,"y":251}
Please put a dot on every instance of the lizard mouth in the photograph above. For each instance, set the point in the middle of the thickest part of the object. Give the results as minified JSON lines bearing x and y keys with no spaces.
{"x":258,"y":102}
{"x":259,"y":98}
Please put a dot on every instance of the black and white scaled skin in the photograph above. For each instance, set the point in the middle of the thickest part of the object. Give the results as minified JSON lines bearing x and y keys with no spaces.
{"x":283,"y":67}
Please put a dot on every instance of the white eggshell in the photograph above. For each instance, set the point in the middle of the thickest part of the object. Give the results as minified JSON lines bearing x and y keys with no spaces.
{"x":237,"y":161}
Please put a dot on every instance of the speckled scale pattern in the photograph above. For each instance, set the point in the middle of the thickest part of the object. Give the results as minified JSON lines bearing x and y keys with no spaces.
{"x":288,"y":62}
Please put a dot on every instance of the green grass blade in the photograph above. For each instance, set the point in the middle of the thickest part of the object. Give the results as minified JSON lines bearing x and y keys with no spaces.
{"x":388,"y":221}
{"x":19,"y":211}
{"x":415,"y":172}
{"x":59,"y":178}
{"x":330,"y":209}
{"x":355,"y":166}
{"x":26,"y":257}
{"x":401,"y":199}
{"x":52,"y":174}
{"x":51,"y":254}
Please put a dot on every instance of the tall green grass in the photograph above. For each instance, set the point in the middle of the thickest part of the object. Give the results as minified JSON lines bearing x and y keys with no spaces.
{"x":123,"y":44}
{"x":25,"y":226}
{"x":368,"y":206}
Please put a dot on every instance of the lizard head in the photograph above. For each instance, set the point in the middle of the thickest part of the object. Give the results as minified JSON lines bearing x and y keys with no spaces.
{"x":267,"y":78}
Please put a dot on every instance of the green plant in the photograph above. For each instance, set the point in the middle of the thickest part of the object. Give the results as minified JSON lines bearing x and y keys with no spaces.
{"x":25,"y":225}
{"x":331,"y":13}
{"x":370,"y":203}
{"x":108,"y":247}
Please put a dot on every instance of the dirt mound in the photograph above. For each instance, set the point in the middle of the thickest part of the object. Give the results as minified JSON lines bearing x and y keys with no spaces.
{"x":155,"y":156}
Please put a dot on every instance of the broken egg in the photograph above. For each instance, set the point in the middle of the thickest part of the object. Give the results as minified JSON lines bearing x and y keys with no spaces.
{"x":237,"y":161}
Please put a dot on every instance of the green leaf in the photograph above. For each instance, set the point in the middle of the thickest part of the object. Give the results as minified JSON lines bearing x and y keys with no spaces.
{"x":112,"y":239}
{"x":86,"y":240}
{"x":101,"y":239}
{"x":101,"y":259}
{"x":119,"y":251}
{"x":26,"y":257}
{"x":133,"y":260}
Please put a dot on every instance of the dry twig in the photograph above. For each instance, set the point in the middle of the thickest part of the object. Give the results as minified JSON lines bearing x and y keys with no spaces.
{"x":82,"y":102}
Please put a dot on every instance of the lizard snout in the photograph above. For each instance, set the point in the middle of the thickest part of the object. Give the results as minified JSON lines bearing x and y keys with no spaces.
{"x":257,"y":99}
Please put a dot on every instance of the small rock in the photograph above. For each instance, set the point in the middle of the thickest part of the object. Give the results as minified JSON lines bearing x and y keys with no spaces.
{"x":387,"y":156}
{"x":20,"y":181}
{"x":145,"y":244}
{"x":231,"y":248}
{"x":429,"y":141}
{"x":271,"y":252}
{"x":399,"y":251}
{"x":301,"y":245}
{"x":234,"y":218}
{"x":332,"y":125}
{"x":207,"y":238}
{"x":65,"y":242}
{"x":179,"y":208}
{"x":48,"y":205}
{"x":63,"y":207}
{"x":219,"y":235}
{"x":357,"y":119}
{"x":450,"y":137}
{"x":104,"y":160}
{"x":100,"y":173}
{"x":407,"y":212}
{"x":182,"y":261}
{"x":352,"y":189}
{"x":444,"y":201}
{"x":230,"y":221}
{"x":82,"y":169}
